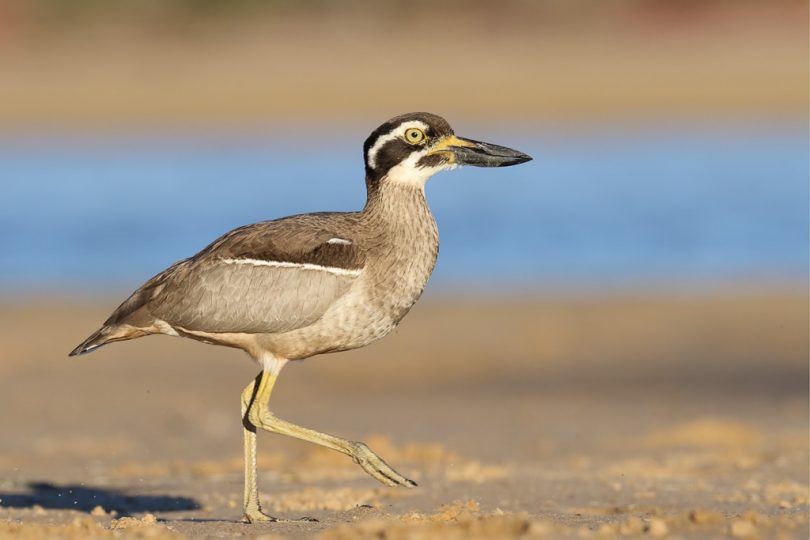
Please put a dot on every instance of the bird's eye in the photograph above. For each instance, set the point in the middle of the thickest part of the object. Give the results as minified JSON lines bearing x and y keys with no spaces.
{"x":414,"y":135}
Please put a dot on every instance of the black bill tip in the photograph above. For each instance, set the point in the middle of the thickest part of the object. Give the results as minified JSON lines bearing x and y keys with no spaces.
{"x":481,"y":154}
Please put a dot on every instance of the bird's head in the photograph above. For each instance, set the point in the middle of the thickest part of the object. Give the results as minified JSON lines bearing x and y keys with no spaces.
{"x":410,"y":148}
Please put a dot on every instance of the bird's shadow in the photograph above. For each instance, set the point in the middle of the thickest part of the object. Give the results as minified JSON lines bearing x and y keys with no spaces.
{"x":85,"y":499}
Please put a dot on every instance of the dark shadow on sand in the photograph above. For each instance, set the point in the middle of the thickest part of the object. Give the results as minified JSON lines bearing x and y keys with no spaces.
{"x":85,"y":498}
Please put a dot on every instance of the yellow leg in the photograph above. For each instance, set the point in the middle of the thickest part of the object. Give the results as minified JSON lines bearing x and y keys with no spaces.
{"x":255,"y":413}
{"x":252,"y":507}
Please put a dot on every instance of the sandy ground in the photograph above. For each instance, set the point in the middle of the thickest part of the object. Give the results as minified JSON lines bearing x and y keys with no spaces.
{"x":682,"y":416}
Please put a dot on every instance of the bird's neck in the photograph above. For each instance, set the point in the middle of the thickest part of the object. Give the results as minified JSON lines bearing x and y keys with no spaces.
{"x":400,"y":227}
{"x":397,"y":207}
{"x":402,"y":242}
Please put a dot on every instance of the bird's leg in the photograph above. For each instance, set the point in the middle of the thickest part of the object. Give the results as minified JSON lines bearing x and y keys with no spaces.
{"x":252,"y":506}
{"x":259,"y":415}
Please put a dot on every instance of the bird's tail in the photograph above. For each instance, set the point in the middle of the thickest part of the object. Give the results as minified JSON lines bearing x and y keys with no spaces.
{"x":106,"y":334}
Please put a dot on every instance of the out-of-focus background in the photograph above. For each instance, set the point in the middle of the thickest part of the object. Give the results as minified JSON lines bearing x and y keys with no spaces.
{"x":615,"y":340}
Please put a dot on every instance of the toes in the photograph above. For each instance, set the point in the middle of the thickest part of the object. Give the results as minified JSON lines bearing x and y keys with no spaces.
{"x":377,"y":472}
{"x":305,"y":519}
{"x":379,"y":469}
{"x":259,"y":517}
{"x":394,"y":478}
{"x":380,"y":476}
{"x":399,"y":479}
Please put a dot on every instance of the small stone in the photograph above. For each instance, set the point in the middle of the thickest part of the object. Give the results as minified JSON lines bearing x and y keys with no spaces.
{"x":38,"y":510}
{"x":98,"y":511}
{"x":657,"y":527}
{"x":785,"y":505}
{"x":742,"y":529}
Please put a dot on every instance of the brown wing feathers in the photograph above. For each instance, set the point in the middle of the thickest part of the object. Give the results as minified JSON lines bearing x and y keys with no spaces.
{"x":211,"y":292}
{"x":297,"y":239}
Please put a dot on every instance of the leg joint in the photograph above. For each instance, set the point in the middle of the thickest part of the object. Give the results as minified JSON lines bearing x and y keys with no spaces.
{"x":260,"y":416}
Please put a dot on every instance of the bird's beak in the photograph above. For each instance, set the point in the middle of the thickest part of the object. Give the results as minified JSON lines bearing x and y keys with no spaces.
{"x":480,"y":154}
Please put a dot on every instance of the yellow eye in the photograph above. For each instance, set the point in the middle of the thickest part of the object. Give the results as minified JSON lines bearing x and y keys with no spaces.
{"x":414,"y":135}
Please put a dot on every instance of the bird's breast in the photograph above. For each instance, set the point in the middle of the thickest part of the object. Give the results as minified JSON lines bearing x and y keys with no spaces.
{"x":400,"y":241}
{"x":398,"y":273}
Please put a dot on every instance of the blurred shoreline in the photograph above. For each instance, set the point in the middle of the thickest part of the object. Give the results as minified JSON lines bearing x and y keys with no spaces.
{"x":613,"y":208}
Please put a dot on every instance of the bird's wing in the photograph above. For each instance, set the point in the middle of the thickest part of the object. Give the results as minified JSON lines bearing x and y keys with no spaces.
{"x":264,"y":278}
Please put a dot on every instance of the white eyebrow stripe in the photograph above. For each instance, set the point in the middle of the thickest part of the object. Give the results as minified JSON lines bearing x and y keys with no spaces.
{"x":395,"y":133}
{"x":303,"y":266}
{"x":340,"y":241}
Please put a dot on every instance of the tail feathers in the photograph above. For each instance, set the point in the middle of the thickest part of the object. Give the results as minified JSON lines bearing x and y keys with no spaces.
{"x":96,"y":340}
{"x":104,"y":335}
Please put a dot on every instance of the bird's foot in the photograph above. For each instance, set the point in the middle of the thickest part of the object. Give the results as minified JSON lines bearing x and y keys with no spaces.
{"x":257,"y":516}
{"x":376,"y":467}
{"x":305,"y":519}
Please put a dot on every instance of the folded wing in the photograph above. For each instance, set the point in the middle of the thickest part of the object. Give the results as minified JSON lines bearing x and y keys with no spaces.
{"x":268,"y":277}
{"x":251,"y":296}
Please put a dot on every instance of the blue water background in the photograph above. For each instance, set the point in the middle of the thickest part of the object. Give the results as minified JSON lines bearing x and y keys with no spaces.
{"x":611,"y":206}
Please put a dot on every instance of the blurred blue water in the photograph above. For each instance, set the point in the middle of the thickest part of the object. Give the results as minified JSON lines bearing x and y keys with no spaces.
{"x":601,"y":206}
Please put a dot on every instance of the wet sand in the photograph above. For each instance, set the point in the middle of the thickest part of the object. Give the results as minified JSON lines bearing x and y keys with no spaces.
{"x":661,"y":415}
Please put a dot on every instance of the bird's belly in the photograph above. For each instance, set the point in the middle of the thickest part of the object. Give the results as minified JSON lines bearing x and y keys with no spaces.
{"x":369,"y":311}
{"x":356,"y":326}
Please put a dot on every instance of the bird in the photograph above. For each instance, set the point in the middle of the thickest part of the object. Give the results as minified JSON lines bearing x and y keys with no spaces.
{"x":307,"y":284}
